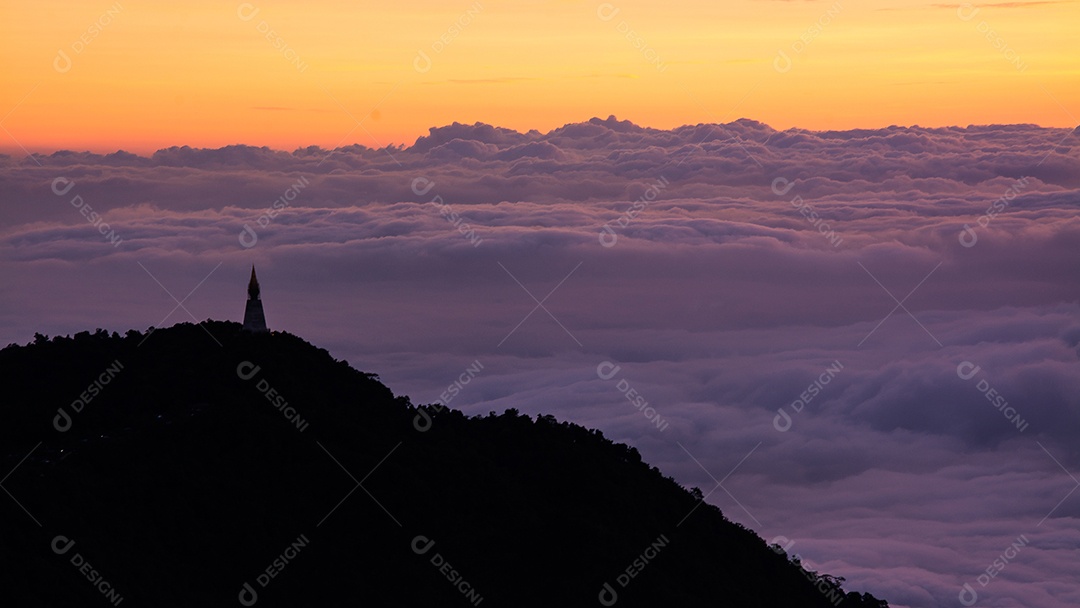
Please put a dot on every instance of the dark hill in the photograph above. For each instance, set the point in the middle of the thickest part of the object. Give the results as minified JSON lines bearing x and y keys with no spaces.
{"x":179,"y":483}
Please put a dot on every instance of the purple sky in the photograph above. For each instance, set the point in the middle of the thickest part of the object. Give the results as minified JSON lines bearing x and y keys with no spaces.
{"x":743,"y":264}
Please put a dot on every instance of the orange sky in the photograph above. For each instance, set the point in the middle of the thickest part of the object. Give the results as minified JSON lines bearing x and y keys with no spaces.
{"x":142,"y":75}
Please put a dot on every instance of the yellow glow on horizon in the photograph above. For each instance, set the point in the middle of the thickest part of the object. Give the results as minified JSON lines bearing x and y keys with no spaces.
{"x":147,"y":75}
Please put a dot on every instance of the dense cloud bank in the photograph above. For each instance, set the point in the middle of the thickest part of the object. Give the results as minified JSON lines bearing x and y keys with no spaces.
{"x":886,"y":321}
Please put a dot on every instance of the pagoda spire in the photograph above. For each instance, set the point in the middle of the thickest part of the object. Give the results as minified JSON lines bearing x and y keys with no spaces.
{"x":254,"y":319}
{"x":253,"y":285}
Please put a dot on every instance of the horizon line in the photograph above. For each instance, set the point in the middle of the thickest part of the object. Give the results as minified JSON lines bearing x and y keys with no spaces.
{"x":148,"y":152}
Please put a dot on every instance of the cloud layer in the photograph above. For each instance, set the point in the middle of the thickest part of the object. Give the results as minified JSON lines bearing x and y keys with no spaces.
{"x":877,"y":331}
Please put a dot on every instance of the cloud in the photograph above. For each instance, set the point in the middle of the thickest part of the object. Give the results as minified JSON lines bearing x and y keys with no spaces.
{"x":724,"y":268}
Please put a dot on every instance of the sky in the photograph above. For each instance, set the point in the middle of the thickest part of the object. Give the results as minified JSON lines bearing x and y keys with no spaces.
{"x":867,"y":330}
{"x":139,"y":76}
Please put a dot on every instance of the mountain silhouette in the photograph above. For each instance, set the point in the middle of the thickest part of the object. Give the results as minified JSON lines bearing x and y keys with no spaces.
{"x":204,"y":465}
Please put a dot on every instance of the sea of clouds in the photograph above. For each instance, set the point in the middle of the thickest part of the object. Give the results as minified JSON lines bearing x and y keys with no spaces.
{"x":870,"y":337}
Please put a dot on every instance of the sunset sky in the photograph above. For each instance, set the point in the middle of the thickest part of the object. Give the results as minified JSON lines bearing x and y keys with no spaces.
{"x":140,"y":76}
{"x":722,"y":198}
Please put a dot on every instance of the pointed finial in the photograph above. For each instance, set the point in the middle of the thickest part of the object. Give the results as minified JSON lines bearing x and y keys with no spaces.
{"x":253,"y":285}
